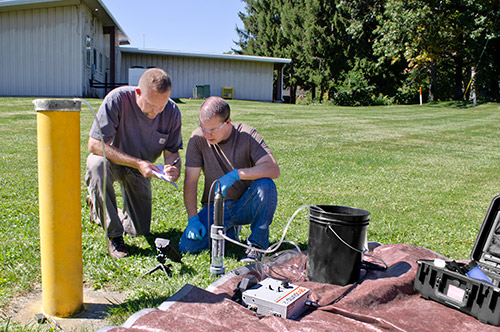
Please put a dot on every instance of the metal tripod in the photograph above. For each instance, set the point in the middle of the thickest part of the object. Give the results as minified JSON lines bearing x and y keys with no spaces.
{"x":161,"y":265}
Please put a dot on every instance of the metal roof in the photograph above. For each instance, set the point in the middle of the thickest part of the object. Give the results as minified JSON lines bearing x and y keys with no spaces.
{"x":205,"y":55}
{"x":96,"y":6}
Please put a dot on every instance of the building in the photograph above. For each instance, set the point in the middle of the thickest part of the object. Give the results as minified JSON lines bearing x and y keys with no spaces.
{"x":53,"y":48}
{"x":75,"y":48}
{"x":250,"y":77}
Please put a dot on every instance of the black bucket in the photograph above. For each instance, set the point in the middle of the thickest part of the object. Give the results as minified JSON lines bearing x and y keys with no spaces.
{"x":337,"y":236}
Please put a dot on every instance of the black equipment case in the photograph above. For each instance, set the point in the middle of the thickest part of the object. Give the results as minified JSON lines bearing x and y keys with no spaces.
{"x":471,"y":296}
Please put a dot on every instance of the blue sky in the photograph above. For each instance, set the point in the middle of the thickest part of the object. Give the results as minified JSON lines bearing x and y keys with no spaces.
{"x":179,"y":25}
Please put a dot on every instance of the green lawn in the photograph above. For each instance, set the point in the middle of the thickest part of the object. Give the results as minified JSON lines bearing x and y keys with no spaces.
{"x":426,"y":173}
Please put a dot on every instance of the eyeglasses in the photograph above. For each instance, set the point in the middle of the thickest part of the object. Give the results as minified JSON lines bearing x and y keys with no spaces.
{"x":211,"y":130}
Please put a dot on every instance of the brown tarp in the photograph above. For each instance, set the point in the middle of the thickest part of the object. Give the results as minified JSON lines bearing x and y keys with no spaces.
{"x":383,"y":300}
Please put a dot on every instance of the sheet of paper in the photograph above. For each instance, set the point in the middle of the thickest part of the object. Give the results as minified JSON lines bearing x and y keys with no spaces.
{"x":163,"y":176}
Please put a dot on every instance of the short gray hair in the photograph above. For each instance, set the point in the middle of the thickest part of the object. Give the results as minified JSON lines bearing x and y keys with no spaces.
{"x":156,"y":79}
{"x":214,"y":106}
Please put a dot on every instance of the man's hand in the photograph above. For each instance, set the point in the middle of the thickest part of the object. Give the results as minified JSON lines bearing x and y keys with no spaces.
{"x":227,"y":181}
{"x":172,"y":168}
{"x":195,"y":229}
{"x":146,"y":168}
{"x":167,"y":172}
{"x":171,"y":172}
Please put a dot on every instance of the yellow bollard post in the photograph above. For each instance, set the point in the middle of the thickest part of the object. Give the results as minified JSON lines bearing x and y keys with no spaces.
{"x":59,"y":191}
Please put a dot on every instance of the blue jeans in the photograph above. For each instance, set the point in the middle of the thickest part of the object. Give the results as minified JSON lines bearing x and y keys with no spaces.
{"x":256,"y":207}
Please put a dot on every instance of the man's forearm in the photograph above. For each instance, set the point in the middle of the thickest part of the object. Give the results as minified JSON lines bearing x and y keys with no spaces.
{"x":120,"y":158}
{"x":190,"y":200}
{"x":266,"y":167}
{"x":169,"y":158}
{"x":112,"y":154}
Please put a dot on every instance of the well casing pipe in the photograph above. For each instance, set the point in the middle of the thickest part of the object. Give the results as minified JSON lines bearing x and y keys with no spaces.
{"x":59,"y":192}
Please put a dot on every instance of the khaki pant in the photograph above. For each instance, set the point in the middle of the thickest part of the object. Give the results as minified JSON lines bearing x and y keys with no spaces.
{"x":135,"y":218}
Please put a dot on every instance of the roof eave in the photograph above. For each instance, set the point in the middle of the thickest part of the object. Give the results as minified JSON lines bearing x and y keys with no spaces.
{"x":97,"y":8}
{"x":206,"y":55}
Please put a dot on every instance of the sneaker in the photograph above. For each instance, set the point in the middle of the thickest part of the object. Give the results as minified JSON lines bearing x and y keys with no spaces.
{"x":251,"y":255}
{"x":117,"y":248}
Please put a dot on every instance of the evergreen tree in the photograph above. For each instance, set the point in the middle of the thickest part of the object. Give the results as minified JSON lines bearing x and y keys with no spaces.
{"x":322,"y":45}
{"x":362,"y":79}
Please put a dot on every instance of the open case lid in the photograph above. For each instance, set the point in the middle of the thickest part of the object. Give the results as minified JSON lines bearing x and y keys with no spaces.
{"x":486,"y":249}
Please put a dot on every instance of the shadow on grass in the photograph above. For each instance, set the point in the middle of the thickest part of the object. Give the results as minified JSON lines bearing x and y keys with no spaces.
{"x":121,"y":312}
{"x":455,"y":104}
{"x":172,"y":236}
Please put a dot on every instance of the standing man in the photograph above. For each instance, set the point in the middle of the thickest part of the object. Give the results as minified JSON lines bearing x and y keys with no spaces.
{"x":237,"y":156}
{"x":137,"y":125}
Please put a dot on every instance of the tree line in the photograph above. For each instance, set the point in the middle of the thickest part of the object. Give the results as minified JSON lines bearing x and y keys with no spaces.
{"x":368,"y":52}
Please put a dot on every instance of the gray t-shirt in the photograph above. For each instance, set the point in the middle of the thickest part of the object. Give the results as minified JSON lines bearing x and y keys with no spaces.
{"x":243,"y":148}
{"x":127,"y":128}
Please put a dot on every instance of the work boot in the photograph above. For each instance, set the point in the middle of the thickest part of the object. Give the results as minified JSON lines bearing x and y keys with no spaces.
{"x":117,"y":247}
{"x":251,"y":255}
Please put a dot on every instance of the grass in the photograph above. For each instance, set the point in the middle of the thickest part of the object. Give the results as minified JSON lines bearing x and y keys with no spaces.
{"x":426,"y":174}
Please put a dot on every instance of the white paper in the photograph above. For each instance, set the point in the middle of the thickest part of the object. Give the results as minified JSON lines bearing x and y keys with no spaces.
{"x":163,"y":176}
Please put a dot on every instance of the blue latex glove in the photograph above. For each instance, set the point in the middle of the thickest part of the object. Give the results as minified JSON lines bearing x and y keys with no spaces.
{"x":195,"y":229}
{"x":227,"y":181}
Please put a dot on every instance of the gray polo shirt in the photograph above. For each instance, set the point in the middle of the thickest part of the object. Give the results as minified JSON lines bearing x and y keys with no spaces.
{"x":127,"y":128}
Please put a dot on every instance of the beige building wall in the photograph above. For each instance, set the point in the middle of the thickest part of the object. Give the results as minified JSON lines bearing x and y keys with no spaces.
{"x":250,"y":80}
{"x":41,"y":52}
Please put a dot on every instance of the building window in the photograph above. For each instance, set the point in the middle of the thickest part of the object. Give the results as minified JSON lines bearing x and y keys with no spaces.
{"x":100,"y":62}
{"x":88,"y":45}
